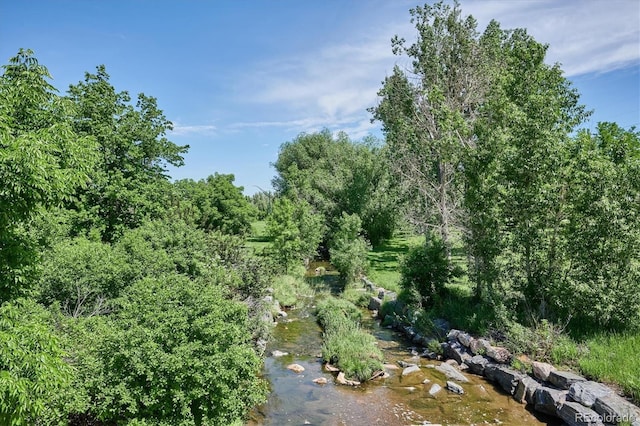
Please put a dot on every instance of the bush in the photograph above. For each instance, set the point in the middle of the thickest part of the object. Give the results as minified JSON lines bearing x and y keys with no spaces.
{"x":349,"y":249}
{"x":425,"y":270}
{"x":84,"y":276}
{"x":34,"y":378}
{"x":176,"y":351}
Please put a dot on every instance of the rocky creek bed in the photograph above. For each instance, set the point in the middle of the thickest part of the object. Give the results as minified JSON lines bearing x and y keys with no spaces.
{"x":414,"y":391}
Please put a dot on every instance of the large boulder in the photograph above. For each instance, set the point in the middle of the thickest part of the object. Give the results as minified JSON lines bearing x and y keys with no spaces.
{"x":452,"y":373}
{"x":525,"y":390}
{"x":508,"y":378}
{"x":498,"y":354}
{"x":541,"y":370}
{"x":615,"y":409}
{"x":374,"y":303}
{"x":464,"y":339}
{"x":549,"y":401}
{"x":477,"y":364}
{"x":586,"y":393}
{"x":575,"y":414}
{"x":479,"y":346}
{"x":454,"y":350}
{"x":564,"y":379}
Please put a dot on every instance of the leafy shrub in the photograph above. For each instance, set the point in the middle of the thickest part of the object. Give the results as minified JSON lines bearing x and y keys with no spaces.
{"x":349,"y":249}
{"x":426,"y":269}
{"x":34,"y":378}
{"x":176,"y":351}
{"x":84,"y":276}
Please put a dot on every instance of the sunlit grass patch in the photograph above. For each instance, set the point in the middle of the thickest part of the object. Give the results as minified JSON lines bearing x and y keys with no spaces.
{"x":614,"y":358}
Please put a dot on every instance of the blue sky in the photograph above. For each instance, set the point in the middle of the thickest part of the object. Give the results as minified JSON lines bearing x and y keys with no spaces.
{"x":239,"y":78}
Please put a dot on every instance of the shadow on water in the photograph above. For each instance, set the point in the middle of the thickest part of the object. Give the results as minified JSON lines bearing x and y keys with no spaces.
{"x":397,"y":400}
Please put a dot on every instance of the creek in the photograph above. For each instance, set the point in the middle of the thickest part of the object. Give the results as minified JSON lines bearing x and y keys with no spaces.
{"x":397,"y":400}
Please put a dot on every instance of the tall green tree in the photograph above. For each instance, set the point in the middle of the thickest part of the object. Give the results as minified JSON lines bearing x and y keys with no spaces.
{"x":428,"y":113}
{"x":515,"y":172}
{"x":296,"y":230}
{"x":335,"y":175}
{"x":42,"y":162}
{"x":599,"y":242}
{"x":214,"y":203}
{"x":129,"y":182}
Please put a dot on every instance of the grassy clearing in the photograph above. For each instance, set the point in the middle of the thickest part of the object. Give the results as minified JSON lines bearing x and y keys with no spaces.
{"x":345,"y":345}
{"x":258,"y":241}
{"x":385,"y":260}
{"x":614,"y":358}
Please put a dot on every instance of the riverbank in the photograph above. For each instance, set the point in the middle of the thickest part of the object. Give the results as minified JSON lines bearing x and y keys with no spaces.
{"x":599,"y":355}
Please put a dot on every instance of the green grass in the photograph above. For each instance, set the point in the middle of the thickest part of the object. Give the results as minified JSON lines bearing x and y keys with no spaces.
{"x":345,"y":344}
{"x":291,"y":290}
{"x":258,"y":241}
{"x":614,"y":358}
{"x":385,"y":260}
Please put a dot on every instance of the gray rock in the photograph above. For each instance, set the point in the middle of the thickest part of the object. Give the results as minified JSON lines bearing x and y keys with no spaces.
{"x":455,"y":388}
{"x":548,"y":400}
{"x":282,"y":314}
{"x":525,"y":390}
{"x":381,"y":293}
{"x":541,"y":370}
{"x":277,"y":353}
{"x":455,"y":351}
{"x":452,"y":373}
{"x":477,"y":364}
{"x":453,"y":334}
{"x":490,"y":371}
{"x":479,"y":346}
{"x":586,"y":393}
{"x":575,"y":414}
{"x":405,"y":364}
{"x":410,"y":369}
{"x":374,"y":304}
{"x":435,"y":388}
{"x":564,"y":379}
{"x":464,"y":339}
{"x":615,"y":409}
{"x":508,"y":378}
{"x":499,"y":354}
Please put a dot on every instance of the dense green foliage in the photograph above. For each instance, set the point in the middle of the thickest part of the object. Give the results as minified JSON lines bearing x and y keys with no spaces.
{"x":129,"y":183}
{"x":174,"y":352}
{"x":42,"y":162}
{"x":425,"y":270}
{"x":335,"y":175}
{"x":483,"y":131}
{"x":348,"y":248}
{"x":296,"y":232}
{"x":142,"y":304}
{"x":34,"y":377}
{"x":214,"y":204}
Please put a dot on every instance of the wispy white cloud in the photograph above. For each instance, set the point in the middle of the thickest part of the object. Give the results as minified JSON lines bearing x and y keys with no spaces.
{"x":190,"y":130}
{"x":334,"y":85}
{"x":586,"y":36}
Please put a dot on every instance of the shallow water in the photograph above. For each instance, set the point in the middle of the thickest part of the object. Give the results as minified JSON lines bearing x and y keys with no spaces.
{"x":396,"y":400}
